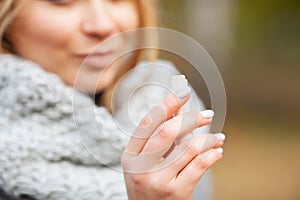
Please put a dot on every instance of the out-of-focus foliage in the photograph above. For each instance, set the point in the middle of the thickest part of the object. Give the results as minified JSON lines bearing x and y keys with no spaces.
{"x":172,"y":13}
{"x":262,"y":68}
{"x":271,"y":25}
{"x":266,"y":59}
{"x":262,"y":78}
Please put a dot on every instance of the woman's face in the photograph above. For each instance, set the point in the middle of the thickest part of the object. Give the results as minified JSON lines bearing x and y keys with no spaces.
{"x":59,"y":34}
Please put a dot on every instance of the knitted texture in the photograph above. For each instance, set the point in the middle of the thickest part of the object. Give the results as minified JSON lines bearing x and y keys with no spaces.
{"x":41,"y":154}
{"x":55,"y":143}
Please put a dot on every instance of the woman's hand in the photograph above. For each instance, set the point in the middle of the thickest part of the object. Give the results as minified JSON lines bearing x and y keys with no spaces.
{"x":155,"y":168}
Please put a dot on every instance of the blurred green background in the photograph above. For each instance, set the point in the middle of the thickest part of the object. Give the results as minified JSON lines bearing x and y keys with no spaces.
{"x":256,"y":45}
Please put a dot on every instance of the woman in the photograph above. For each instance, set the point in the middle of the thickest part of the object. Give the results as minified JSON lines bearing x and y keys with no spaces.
{"x":43,"y":44}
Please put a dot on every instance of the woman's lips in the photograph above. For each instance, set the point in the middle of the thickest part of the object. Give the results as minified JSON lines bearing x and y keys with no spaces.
{"x":96,"y":61}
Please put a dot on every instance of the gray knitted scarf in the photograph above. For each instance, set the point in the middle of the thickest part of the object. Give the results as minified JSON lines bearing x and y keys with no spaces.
{"x":55,"y":143}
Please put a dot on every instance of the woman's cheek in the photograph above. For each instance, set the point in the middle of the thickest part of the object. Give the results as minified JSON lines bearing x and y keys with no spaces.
{"x":127,"y":17}
{"x":50,"y":29}
{"x":42,"y":25}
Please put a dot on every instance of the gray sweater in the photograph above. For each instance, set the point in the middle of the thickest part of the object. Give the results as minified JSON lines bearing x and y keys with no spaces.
{"x":55,"y":143}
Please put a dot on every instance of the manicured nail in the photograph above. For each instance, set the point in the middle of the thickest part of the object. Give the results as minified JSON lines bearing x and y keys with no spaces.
{"x":207,"y":114}
{"x":220,"y":136}
{"x":220,"y":150}
{"x":183,"y":93}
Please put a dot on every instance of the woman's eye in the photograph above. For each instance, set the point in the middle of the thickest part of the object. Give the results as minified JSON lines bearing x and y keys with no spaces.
{"x":61,"y":2}
{"x":118,"y":0}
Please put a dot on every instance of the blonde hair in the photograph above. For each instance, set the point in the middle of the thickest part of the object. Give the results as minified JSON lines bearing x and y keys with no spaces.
{"x":8,"y":11}
{"x":147,"y":15}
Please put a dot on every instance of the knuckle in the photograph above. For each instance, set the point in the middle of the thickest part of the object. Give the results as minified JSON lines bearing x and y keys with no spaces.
{"x":138,"y":179}
{"x":167,"y":191}
{"x":167,"y":133}
{"x":146,"y":121}
{"x":161,"y":188}
{"x":201,"y":163}
{"x":208,"y":141}
{"x":191,"y":150}
{"x":170,"y":104}
{"x":163,"y":133}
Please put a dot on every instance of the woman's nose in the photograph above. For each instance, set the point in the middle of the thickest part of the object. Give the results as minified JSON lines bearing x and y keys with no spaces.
{"x":98,"y":21}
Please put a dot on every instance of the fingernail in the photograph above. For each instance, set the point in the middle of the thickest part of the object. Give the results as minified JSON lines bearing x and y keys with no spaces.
{"x":220,"y":150}
{"x":183,"y":93}
{"x":220,"y":136}
{"x":207,"y":114}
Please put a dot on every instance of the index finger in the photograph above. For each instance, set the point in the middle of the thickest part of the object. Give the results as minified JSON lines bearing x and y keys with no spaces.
{"x":156,"y":116}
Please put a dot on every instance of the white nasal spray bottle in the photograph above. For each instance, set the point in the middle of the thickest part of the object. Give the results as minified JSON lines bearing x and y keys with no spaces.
{"x":179,"y":82}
